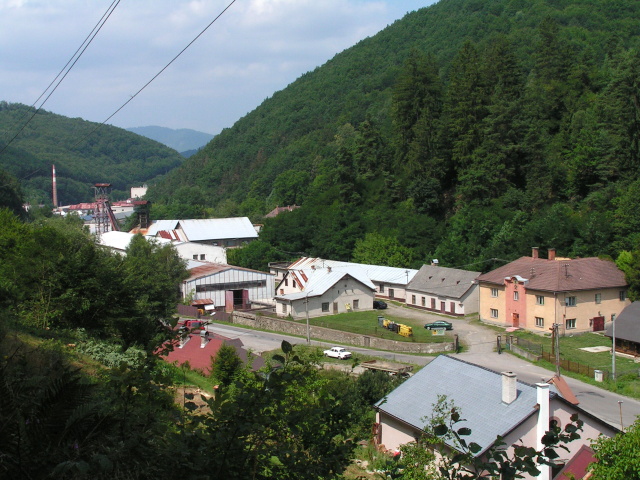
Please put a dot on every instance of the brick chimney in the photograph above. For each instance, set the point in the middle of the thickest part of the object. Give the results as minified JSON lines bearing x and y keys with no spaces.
{"x":552,"y":254}
{"x":509,"y":387}
{"x":534,"y":252}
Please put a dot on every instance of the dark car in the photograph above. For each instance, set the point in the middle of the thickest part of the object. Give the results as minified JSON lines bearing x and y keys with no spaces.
{"x":379,"y":305}
{"x":439,"y":324}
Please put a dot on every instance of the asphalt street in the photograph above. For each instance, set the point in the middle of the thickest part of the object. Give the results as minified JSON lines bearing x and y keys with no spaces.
{"x":615,"y":409}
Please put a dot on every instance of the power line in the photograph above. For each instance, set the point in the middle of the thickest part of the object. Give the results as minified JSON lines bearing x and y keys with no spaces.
{"x":157,"y":74}
{"x":82,"y":48}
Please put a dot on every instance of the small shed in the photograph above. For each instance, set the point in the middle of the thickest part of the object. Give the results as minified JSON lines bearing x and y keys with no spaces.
{"x":627,"y":326}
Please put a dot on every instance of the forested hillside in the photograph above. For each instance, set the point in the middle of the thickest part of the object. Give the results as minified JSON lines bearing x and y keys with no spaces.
{"x":82,"y":158}
{"x":467,"y":130}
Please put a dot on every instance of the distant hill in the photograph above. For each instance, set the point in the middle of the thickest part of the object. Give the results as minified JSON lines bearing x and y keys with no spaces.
{"x":184,"y":140}
{"x":83,"y":152}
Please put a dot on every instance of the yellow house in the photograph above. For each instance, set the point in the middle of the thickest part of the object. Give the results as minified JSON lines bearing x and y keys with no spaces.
{"x":580,"y":294}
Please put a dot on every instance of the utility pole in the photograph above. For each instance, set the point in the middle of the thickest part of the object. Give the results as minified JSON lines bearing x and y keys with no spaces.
{"x":306,"y":307}
{"x":555,"y":346}
{"x":613,"y":350}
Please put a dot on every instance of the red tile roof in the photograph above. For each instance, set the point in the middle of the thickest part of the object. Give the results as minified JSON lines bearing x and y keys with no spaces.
{"x":200,"y":358}
{"x":560,"y":275}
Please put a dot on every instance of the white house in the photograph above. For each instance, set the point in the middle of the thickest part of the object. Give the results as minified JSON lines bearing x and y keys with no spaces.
{"x":492,"y":404}
{"x":324,"y":291}
{"x":389,"y":282}
{"x":445,"y":290}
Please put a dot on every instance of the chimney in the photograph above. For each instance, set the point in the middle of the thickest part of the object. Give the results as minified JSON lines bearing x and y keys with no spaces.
{"x":534,"y":252}
{"x":552,"y":254}
{"x":434,"y":262}
{"x":509,"y":387}
{"x":542,"y":426}
{"x":328,"y":269}
{"x":204,"y":338}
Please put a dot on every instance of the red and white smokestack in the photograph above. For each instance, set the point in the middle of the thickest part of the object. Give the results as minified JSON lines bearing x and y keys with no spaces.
{"x":55,"y":189}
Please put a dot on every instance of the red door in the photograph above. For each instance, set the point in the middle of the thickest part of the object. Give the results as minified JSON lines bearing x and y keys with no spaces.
{"x":442,"y":307}
{"x":598,"y":324}
{"x":516,"y":319}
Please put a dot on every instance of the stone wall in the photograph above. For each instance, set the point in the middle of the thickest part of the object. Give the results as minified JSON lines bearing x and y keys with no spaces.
{"x":337,"y":336}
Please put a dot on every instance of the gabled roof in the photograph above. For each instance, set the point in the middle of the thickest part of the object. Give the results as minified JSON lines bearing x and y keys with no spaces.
{"x":121,"y":240}
{"x":200,"y":358}
{"x":206,"y":229}
{"x":199,"y":269}
{"x":447,"y":282}
{"x":475,"y":390}
{"x":627,"y":324}
{"x":562,"y":275}
{"x":376,"y":273}
{"x":320,"y":280}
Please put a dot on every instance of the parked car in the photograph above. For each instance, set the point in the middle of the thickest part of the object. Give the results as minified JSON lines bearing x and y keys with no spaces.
{"x":379,"y":305}
{"x":337,"y":352}
{"x":439,"y":324}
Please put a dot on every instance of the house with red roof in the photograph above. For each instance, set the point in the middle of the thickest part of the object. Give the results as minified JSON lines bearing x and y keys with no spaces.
{"x":579,"y":294}
{"x":199,"y":347}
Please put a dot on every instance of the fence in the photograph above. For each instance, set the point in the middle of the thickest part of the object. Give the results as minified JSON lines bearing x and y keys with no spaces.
{"x":524,"y":347}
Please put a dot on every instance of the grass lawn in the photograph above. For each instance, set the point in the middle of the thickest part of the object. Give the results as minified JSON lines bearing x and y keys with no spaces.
{"x":627,"y":371}
{"x":366,"y":323}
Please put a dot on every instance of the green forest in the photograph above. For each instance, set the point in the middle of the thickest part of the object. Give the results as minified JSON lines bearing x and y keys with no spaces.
{"x":84,"y":153}
{"x":466,"y":131}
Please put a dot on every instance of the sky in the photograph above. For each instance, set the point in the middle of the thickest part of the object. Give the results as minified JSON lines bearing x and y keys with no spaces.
{"x":254,"y":49}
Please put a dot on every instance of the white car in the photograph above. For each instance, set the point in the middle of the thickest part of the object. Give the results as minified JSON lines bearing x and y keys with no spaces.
{"x":337,"y":352}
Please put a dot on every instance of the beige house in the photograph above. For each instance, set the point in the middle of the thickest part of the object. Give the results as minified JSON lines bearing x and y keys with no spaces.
{"x":493,"y":404}
{"x":580,"y":295}
{"x":323,"y":291}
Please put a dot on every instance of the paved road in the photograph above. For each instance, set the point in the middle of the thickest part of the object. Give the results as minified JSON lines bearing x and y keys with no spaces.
{"x":479,"y":342}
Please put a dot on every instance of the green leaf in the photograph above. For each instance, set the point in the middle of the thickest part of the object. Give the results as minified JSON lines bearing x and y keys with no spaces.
{"x":464,"y":431}
{"x":286,"y":347}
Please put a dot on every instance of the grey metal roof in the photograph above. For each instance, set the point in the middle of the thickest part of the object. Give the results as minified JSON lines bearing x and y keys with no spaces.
{"x":376,"y":273}
{"x":322,"y":279}
{"x":627,"y":324}
{"x":208,"y":228}
{"x":475,"y":390}
{"x":218,"y":228}
{"x":443,"y":281}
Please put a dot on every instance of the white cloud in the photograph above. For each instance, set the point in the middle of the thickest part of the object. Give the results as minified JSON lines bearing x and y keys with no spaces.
{"x":256,"y":48}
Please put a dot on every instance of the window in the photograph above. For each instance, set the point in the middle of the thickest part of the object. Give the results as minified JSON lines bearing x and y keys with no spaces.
{"x":494,"y":313}
{"x":284,"y":308}
{"x":382,"y":288}
{"x":494,"y":292}
{"x":202,"y":256}
{"x":413,"y":299}
{"x":356,"y":304}
{"x":294,"y":284}
{"x":433,"y":303}
{"x":623,"y":295}
{"x":325,"y":306}
{"x":391,"y":293}
{"x":539,"y":300}
{"x":598,"y":298}
{"x":195,"y":257}
{"x":539,"y":322}
{"x":286,"y":282}
{"x":570,"y":301}
{"x":570,"y":323}
{"x":282,"y":291}
{"x":516,"y":296}
{"x":424,"y":302}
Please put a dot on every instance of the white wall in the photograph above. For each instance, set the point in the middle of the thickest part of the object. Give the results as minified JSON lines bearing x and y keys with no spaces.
{"x":211,"y":254}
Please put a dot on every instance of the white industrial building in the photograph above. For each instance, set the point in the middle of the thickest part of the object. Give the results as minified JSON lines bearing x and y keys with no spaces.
{"x":215,"y":286}
{"x":119,"y":241}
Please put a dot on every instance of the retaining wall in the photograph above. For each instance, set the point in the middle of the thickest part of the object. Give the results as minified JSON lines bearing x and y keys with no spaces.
{"x":329,"y":335}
